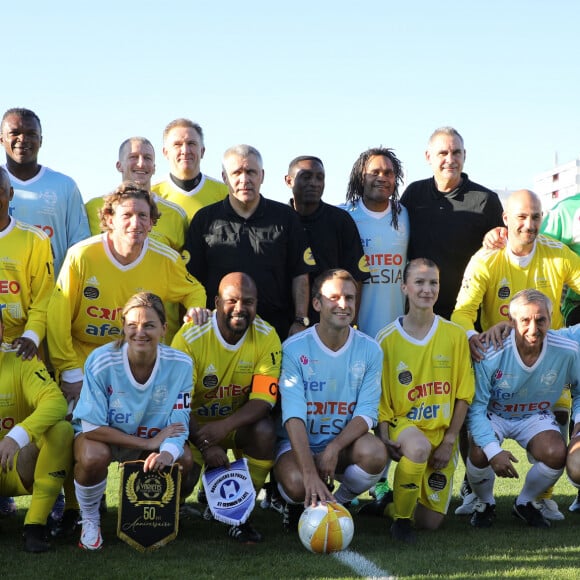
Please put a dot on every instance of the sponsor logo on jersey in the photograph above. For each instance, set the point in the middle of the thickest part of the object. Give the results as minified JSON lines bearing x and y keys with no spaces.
{"x":91,"y":293}
{"x":104,"y":313}
{"x":309,"y":257}
{"x":6,"y":423}
{"x":303,"y":359}
{"x":183,"y":401}
{"x":104,"y":329}
{"x":384,"y":259}
{"x":210,"y":381}
{"x":425,"y":390}
{"x":93,"y":281}
{"x":504,"y":292}
{"x":405,"y":377}
{"x":437,"y":481}
{"x":9,"y":287}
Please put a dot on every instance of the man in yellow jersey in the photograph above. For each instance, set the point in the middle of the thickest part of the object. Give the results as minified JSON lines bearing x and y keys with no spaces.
{"x":35,"y":440}
{"x":26,"y":277}
{"x":236,"y":361}
{"x":101,"y":273}
{"x":186,"y":185}
{"x":528,"y":260}
{"x":137,"y":164}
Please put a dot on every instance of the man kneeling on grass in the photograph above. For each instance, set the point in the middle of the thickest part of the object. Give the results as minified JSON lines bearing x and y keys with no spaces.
{"x":330,"y":388}
{"x":515,"y":389}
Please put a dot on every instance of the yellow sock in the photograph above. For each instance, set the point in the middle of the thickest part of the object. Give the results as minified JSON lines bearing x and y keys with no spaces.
{"x":407,"y":487}
{"x":259,"y":470}
{"x":52,"y":466}
{"x":547,"y":494}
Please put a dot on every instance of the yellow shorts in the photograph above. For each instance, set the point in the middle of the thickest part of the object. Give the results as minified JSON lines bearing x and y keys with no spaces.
{"x":228,"y":442}
{"x":437,"y":484}
{"x":10,"y":483}
{"x":564,"y":403}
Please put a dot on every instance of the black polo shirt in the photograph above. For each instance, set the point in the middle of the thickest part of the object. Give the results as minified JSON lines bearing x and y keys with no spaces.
{"x":448,"y":228}
{"x":335,"y":243}
{"x":270,"y":246}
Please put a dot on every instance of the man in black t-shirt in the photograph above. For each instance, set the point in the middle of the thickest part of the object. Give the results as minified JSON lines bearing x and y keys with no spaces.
{"x":449,"y":214}
{"x":331,"y":233}
{"x":248,"y":233}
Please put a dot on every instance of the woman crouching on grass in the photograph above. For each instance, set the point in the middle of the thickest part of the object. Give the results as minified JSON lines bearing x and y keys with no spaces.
{"x":130,"y":387}
{"x":427,"y":386}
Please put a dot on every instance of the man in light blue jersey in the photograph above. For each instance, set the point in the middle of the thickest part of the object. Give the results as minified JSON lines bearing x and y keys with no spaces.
{"x":383,"y":224}
{"x":42,"y":197}
{"x":516,"y":388}
{"x":330,"y":389}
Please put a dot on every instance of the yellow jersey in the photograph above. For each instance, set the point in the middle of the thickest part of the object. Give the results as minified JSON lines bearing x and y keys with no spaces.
{"x":208,"y":191}
{"x":225,"y":376}
{"x":26,"y":281}
{"x":422,"y":379}
{"x":93,"y":287}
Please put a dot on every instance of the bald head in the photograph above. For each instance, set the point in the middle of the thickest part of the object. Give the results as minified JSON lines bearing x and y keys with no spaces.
{"x":522,"y":196}
{"x":522,"y":217}
{"x":235,"y":305}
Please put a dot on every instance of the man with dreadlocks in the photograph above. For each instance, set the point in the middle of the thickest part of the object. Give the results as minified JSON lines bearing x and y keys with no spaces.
{"x":373,"y":202}
{"x":449,"y":214}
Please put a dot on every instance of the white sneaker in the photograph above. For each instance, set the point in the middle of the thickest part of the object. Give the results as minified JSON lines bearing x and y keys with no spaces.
{"x":91,"y":538}
{"x":575,"y":505}
{"x":468,"y":505}
{"x":549,"y":509}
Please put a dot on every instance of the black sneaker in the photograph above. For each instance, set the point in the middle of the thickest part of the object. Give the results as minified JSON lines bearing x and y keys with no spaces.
{"x":35,"y":539}
{"x":291,"y":516}
{"x":530,"y":514}
{"x":245,"y":534}
{"x":483,"y":515}
{"x":67,"y":526}
{"x":402,"y":530}
{"x":377,"y":507}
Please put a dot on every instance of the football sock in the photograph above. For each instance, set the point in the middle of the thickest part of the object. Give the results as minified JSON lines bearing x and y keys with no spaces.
{"x":407,"y":487}
{"x":259,"y":469}
{"x":539,"y":477}
{"x":90,"y":499}
{"x":53,"y":463}
{"x":481,"y":480}
{"x":354,"y":481}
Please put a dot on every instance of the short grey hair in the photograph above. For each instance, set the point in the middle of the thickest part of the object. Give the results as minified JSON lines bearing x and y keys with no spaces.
{"x":446,"y":131}
{"x":529,"y":296}
{"x":242,"y":151}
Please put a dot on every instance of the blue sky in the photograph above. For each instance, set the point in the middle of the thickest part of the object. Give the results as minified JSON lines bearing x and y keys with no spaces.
{"x":322,"y":78}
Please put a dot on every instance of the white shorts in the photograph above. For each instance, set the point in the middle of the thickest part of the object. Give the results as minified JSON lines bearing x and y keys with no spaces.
{"x":523,"y":430}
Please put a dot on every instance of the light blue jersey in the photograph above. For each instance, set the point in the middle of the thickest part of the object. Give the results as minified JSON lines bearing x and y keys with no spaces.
{"x":386,"y":254}
{"x":572,"y":333}
{"x":326,"y":389}
{"x":510,"y":389}
{"x":52,"y":202}
{"x":111,"y":396}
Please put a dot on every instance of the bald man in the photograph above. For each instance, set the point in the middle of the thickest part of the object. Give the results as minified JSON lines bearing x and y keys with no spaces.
{"x":236,"y":358}
{"x":528,"y":260}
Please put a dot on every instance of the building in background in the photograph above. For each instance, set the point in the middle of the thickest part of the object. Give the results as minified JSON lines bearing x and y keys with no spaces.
{"x":558,"y":183}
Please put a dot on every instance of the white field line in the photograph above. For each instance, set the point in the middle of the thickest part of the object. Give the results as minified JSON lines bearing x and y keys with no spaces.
{"x":361,"y":566}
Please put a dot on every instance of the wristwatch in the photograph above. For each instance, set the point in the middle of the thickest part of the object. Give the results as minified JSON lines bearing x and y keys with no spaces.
{"x":303,"y":320}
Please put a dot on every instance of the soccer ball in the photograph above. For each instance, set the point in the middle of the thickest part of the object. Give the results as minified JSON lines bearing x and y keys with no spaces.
{"x":326,"y":528}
